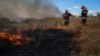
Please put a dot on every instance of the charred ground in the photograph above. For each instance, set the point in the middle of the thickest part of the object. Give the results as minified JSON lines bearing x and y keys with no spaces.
{"x":51,"y":42}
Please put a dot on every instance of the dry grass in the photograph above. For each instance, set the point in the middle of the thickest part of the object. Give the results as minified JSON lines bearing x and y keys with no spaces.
{"x":89,"y":39}
{"x":89,"y":42}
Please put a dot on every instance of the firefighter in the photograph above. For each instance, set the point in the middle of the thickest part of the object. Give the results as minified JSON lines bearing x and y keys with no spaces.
{"x":66,"y":17}
{"x":84,"y":13}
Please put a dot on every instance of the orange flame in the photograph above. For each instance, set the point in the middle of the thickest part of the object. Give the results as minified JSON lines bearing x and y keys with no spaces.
{"x":15,"y":39}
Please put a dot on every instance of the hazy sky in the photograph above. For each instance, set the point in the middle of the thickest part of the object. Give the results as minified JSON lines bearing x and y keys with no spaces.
{"x":45,"y":8}
{"x":74,"y":5}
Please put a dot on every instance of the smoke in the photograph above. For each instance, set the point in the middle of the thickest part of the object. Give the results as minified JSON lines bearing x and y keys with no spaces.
{"x":15,"y":9}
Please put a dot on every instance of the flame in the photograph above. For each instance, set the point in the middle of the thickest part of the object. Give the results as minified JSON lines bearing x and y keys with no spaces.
{"x":15,"y":39}
{"x":2,"y":34}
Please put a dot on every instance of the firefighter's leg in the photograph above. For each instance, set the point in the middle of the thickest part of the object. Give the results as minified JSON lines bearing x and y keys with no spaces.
{"x":66,"y":22}
{"x":83,"y":21}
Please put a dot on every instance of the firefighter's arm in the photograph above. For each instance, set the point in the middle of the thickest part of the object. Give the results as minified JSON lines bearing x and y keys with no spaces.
{"x":71,"y":15}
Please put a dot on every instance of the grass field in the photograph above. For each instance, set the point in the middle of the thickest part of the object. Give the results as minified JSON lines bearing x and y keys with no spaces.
{"x":89,"y":39}
{"x":86,"y":43}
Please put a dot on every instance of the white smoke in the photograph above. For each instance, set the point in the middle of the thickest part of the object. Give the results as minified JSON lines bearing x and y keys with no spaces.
{"x":28,"y":9}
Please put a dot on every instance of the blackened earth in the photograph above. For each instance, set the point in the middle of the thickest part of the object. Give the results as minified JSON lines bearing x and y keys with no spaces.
{"x":51,"y":42}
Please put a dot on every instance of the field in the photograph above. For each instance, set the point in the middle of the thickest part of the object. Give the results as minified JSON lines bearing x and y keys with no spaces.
{"x":49,"y":37}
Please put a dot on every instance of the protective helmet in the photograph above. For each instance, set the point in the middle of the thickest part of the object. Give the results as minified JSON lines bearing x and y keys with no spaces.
{"x":66,"y":11}
{"x":83,"y":7}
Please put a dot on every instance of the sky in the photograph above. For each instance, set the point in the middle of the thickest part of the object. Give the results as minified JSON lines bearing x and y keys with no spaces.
{"x":73,"y":6}
{"x":45,"y":8}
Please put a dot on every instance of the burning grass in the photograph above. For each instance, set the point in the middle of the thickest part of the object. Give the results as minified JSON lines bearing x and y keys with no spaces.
{"x":16,"y":39}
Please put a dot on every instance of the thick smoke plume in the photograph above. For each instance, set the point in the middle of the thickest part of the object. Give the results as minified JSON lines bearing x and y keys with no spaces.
{"x":15,"y":9}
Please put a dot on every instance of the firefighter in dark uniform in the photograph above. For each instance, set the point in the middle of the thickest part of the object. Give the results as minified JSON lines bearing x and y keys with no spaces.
{"x":84,"y":15}
{"x":66,"y":17}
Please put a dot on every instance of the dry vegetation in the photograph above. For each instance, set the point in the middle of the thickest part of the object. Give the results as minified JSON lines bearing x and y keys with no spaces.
{"x":88,"y":40}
